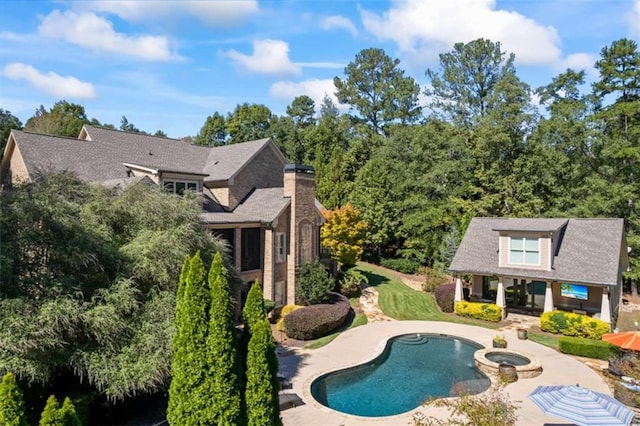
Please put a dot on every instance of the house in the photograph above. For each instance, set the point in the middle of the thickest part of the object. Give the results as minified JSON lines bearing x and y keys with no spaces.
{"x":540,"y":265}
{"x":265,"y":208}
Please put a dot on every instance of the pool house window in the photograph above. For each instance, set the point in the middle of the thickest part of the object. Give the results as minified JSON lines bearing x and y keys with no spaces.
{"x":524,"y":251}
{"x":178,"y":187}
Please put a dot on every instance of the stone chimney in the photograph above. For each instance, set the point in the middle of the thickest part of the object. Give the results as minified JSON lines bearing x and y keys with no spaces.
{"x":299,"y":185}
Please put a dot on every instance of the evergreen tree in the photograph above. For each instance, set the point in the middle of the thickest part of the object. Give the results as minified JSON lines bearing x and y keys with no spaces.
{"x":11,"y":402}
{"x":253,"y":310}
{"x":50,"y":415}
{"x":262,"y":382}
{"x":223,"y":377}
{"x":68,"y":413}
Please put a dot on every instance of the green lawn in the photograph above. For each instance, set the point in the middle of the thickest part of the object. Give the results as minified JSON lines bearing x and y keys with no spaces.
{"x":359,"y":319}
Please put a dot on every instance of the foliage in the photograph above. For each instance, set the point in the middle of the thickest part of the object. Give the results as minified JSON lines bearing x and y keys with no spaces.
{"x":482,"y":311}
{"x":11,"y":402}
{"x":312,"y":322}
{"x":62,"y":119}
{"x":588,"y":348}
{"x":350,"y":282}
{"x":249,"y":122}
{"x":433,"y":278}
{"x":254,"y":307}
{"x":444,"y":295}
{"x":213,"y":131}
{"x":500,"y":340}
{"x":269,"y":305}
{"x":286,"y":310}
{"x":406,"y":266}
{"x":68,"y":413}
{"x":262,"y":381}
{"x":313,"y":284}
{"x":343,"y":232}
{"x":8,"y":122}
{"x":53,"y":415}
{"x":492,"y":408}
{"x":570,"y":324}
{"x":66,"y":305}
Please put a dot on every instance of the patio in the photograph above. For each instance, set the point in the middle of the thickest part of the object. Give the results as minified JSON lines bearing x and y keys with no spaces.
{"x":364,"y":343}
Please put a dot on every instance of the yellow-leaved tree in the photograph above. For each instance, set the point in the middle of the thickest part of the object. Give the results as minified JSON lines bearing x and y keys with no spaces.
{"x":344,"y":233}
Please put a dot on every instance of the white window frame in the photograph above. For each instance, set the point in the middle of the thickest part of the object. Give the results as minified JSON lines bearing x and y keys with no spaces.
{"x":173,"y":183}
{"x":281,"y":247}
{"x":524,"y":251}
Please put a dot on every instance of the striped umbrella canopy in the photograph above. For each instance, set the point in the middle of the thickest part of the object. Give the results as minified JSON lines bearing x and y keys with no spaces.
{"x":625,"y":340}
{"x":581,"y":406}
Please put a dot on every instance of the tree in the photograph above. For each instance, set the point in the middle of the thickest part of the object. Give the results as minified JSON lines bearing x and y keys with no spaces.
{"x":63,"y":119}
{"x":225,"y":401}
{"x":253,"y":310}
{"x":313,"y":284}
{"x":249,"y":122}
{"x":213,"y":131}
{"x":302,"y":111}
{"x":469,"y":75}
{"x":344,"y":233}
{"x":129,"y":127}
{"x":50,"y":415}
{"x":68,"y":413}
{"x":11,"y":402}
{"x":378,"y":90}
{"x":160,"y":133}
{"x":8,"y":122}
{"x":262,"y":381}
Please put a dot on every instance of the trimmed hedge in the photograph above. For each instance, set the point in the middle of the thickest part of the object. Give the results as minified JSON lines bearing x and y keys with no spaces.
{"x":444,"y":297}
{"x":406,"y":266}
{"x":576,"y":325}
{"x":312,"y":322}
{"x":589,"y":348}
{"x":286,"y":310}
{"x":483,"y":311}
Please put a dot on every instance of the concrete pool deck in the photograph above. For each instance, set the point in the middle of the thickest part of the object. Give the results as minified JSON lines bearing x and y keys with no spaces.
{"x":361,"y":344}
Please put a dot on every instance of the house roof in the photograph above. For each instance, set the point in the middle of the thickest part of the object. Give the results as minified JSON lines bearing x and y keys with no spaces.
{"x":102,"y":154}
{"x":588,"y":250}
{"x":263,"y":205}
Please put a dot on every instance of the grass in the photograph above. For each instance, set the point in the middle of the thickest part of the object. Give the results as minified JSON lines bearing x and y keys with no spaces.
{"x":546,"y":339}
{"x":358,"y":319}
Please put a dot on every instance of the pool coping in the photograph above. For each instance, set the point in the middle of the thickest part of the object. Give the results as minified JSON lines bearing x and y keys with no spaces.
{"x":362,"y":344}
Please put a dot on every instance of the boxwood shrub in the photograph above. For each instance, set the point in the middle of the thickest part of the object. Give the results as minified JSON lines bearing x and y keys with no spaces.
{"x":406,"y":266}
{"x":589,"y":348}
{"x":570,"y":324}
{"x":312,"y":322}
{"x":483,"y":311}
{"x":444,"y":296}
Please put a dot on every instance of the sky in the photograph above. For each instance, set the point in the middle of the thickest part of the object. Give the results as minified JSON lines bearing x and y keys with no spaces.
{"x":167,"y":65}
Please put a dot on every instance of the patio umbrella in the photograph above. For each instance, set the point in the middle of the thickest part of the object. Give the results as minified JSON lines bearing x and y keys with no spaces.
{"x":625,"y":340}
{"x":581,"y":405}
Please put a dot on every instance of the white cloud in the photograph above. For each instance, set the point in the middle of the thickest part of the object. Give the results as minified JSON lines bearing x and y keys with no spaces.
{"x":51,"y":83}
{"x":316,"y":89}
{"x":331,"y":65}
{"x":578,"y":62}
{"x":218,"y":12}
{"x":96,"y":33}
{"x":269,"y":57}
{"x":634,"y":20}
{"x":340,"y":22}
{"x":428,"y":26}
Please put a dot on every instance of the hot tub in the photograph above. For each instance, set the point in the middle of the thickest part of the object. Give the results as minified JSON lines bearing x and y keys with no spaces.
{"x":489,"y":361}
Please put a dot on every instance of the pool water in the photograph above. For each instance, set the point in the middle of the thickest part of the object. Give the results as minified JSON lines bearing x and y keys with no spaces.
{"x":507,"y":358}
{"x":411,"y":369}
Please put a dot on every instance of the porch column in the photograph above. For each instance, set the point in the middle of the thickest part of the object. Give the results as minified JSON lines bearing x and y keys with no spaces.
{"x":548,"y":298}
{"x":457,"y":296}
{"x":605,"y":308}
{"x":500,"y":300}
{"x":269,"y":263}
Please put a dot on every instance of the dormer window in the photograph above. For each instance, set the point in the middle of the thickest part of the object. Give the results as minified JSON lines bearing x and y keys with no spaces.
{"x":178,"y":187}
{"x":524,"y":251}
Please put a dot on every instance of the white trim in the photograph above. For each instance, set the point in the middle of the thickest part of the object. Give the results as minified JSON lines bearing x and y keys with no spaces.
{"x":524,"y":251}
{"x":280,"y":247}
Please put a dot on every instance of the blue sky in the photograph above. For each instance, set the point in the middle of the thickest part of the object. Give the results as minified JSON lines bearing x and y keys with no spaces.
{"x":169,"y":64}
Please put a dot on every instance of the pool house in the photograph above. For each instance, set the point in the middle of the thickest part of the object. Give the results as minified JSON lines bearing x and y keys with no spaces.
{"x":540,"y":265}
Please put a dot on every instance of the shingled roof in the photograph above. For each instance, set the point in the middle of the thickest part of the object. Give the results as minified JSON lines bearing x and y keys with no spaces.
{"x":100,"y":154}
{"x":263,"y":205}
{"x":591,"y":251}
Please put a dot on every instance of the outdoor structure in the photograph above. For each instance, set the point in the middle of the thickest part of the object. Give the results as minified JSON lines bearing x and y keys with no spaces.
{"x":540,"y":265}
{"x":265,"y":208}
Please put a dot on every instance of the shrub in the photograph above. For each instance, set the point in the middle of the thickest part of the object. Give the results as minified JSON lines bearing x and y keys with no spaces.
{"x":589,"y":348}
{"x":350,"y":282}
{"x":406,"y":266}
{"x":269,"y":305}
{"x":315,"y":321}
{"x":286,"y":310}
{"x":313,"y":285}
{"x":444,"y":297}
{"x":11,"y":402}
{"x":432,"y":279}
{"x":483,"y":311}
{"x":570,"y":324}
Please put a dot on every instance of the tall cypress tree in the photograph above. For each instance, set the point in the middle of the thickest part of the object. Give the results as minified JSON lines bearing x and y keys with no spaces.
{"x":223,"y":376}
{"x":68,"y":413}
{"x":188,"y":400}
{"x":261,"y":395}
{"x":253,"y":310}
{"x":11,"y":402}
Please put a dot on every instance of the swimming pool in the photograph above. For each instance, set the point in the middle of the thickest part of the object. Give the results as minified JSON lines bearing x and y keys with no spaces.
{"x":411,"y":369}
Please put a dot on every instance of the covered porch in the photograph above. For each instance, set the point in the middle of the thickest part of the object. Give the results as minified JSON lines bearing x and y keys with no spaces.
{"x":535,"y":296}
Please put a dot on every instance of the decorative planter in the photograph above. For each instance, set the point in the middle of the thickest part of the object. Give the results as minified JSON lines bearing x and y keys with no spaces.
{"x":499,"y":343}
{"x":522,"y":334}
{"x":507,"y":373}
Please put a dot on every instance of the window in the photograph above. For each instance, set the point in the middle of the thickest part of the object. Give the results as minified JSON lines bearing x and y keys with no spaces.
{"x":524,"y":251}
{"x":250,"y":248}
{"x":281,"y":247}
{"x":178,"y":187}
